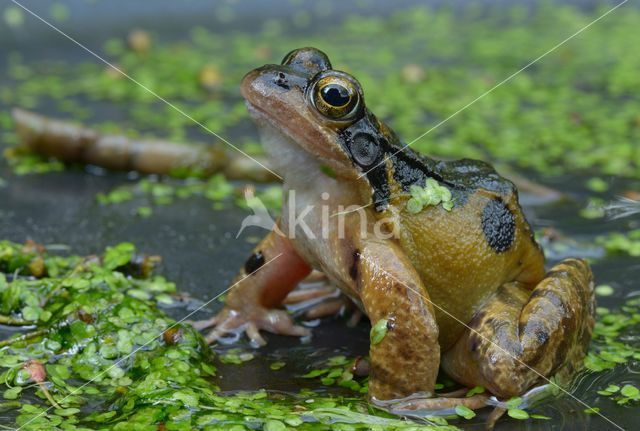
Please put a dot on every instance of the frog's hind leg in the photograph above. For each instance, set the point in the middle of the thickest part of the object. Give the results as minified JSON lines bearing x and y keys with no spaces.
{"x":521,"y":337}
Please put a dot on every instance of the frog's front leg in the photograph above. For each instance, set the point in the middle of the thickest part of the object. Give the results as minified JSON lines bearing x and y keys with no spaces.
{"x":407,"y":359}
{"x":269,"y":274}
{"x":521,"y":337}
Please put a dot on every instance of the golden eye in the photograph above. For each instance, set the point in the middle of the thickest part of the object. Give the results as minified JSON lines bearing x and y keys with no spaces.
{"x":336,"y":97}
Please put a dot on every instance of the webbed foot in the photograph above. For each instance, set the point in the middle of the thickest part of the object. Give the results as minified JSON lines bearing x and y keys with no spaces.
{"x":230,"y":321}
{"x":433,"y":405}
{"x":323,"y":301}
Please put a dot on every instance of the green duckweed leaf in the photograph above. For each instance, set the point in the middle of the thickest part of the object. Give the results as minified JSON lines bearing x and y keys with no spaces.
{"x":378,"y":331}
{"x":465,"y":412}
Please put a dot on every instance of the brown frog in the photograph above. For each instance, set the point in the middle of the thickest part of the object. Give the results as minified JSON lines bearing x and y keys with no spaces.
{"x":440,"y":250}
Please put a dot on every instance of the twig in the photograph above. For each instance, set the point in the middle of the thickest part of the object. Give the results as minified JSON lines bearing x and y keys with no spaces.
{"x":12,"y":321}
{"x":24,"y":337}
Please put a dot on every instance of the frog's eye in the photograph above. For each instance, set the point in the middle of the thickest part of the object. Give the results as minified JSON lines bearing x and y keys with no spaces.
{"x":336,"y":97}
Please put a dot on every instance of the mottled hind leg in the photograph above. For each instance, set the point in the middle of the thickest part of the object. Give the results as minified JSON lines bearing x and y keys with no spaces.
{"x":406,"y":360}
{"x":521,"y":337}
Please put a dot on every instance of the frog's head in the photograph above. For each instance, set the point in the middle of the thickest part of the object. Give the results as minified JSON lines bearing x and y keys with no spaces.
{"x":318,"y":109}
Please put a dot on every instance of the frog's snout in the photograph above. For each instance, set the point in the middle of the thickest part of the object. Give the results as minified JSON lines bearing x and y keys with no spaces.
{"x":250,"y":84}
{"x":264,"y":83}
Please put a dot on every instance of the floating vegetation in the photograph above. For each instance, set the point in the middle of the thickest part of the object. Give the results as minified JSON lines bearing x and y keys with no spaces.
{"x":101,"y":354}
{"x":23,"y":162}
{"x":551,"y":117}
{"x":625,"y":395}
{"x":339,"y":371}
{"x":236,"y":356}
{"x":154,"y":191}
{"x":158,"y":192}
{"x":621,"y":243}
{"x":432,"y":194}
{"x":612,"y":345}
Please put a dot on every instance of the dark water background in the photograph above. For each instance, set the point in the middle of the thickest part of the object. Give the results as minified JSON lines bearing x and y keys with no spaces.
{"x":198,"y":245}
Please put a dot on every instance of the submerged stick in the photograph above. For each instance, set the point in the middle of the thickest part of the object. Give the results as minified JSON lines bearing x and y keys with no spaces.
{"x":74,"y":143}
{"x":12,"y":321}
{"x":27,"y":336}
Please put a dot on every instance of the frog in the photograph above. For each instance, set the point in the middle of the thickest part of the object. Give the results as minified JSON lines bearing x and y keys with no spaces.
{"x":459,"y":287}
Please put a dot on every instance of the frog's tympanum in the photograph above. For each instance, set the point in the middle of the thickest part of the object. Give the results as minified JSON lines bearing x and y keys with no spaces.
{"x":461,"y":286}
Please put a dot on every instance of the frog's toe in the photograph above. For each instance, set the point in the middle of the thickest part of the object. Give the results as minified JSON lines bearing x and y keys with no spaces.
{"x":220,"y":334}
{"x":324,"y":301}
{"x":224,"y":323}
{"x":203,"y":324}
{"x":433,"y":406}
{"x":303,"y":295}
{"x":335,"y":307}
{"x":234,"y":322}
{"x":279,"y":322}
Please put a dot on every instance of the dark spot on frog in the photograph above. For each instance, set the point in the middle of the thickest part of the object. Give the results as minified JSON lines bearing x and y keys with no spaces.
{"x":255,"y":261}
{"x":282,"y":82}
{"x":353,"y":269}
{"x":498,"y":225}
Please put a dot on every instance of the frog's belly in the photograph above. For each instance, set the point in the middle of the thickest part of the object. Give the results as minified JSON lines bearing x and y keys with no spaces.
{"x":324,"y":241}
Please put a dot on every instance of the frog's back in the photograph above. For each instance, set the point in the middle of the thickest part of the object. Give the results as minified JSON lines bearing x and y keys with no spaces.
{"x":465,"y":254}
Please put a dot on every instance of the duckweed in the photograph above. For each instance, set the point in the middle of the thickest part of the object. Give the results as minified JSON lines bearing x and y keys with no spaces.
{"x":236,"y":356}
{"x":24,"y":163}
{"x":164,"y":192}
{"x":432,"y":194}
{"x":621,"y":243}
{"x":113,"y":360}
{"x":621,"y":395}
{"x":278,"y":365}
{"x":518,"y":414}
{"x":611,"y":344}
{"x":105,"y":341}
{"x":378,"y":331}
{"x":604,"y":290}
{"x":465,"y":412}
{"x":551,"y":118}
{"x":337,"y":371}
{"x":475,"y":390}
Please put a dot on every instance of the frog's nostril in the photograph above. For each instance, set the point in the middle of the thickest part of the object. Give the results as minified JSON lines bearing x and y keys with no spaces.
{"x":281,"y":81}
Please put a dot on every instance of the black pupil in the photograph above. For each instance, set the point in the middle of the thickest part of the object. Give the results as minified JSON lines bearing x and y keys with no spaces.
{"x":335,"y":95}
